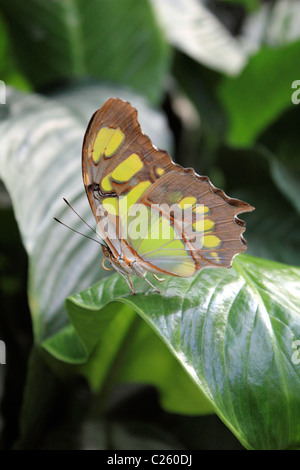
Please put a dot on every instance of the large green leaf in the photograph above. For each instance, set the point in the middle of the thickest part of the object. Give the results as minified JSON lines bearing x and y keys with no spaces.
{"x":40,"y":163}
{"x":193,"y":29}
{"x":255,"y":99}
{"x":233,"y":331}
{"x":115,"y":40}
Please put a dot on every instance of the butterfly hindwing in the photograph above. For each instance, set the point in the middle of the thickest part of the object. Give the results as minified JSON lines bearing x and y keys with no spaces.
{"x":206,"y":231}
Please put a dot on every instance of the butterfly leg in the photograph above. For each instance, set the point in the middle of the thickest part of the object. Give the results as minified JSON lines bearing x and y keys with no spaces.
{"x":160,"y":279}
{"x":142,"y":274}
{"x":129,"y":282}
{"x":126,"y":277}
{"x":150,"y":284}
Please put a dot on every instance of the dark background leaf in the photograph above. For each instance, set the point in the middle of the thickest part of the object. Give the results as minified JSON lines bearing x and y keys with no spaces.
{"x":60,"y":40}
{"x":262,"y":100}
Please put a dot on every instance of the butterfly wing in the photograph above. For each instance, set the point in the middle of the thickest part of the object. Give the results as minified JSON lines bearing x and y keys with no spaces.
{"x":194,"y":225}
{"x":122,"y":169}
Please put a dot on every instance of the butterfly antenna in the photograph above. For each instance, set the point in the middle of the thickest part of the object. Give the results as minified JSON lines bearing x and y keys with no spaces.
{"x":76,"y":231}
{"x":68,"y":204}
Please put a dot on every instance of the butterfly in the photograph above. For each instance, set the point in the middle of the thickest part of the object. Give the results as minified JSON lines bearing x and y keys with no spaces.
{"x":153,"y":215}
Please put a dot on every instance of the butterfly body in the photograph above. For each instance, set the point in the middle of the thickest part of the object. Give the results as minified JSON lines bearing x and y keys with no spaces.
{"x":129,"y":264}
{"x":152,"y":214}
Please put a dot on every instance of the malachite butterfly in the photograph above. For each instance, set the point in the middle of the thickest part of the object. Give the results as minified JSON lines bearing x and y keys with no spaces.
{"x":153,"y":215}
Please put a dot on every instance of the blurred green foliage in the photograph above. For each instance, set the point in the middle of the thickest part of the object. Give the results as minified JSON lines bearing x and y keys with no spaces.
{"x":222,"y":75}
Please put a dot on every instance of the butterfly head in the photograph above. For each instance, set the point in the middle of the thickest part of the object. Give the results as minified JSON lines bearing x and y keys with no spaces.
{"x":106,"y":251}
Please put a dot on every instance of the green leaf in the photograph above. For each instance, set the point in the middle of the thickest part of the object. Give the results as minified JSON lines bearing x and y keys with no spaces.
{"x":253,"y":103}
{"x":233,"y":331}
{"x":194,"y":30}
{"x":113,"y":40}
{"x":272,"y":234}
{"x":8,"y":70}
{"x":249,"y":5}
{"x":128,"y":351}
{"x":273,"y":229}
{"x":288,"y":181}
{"x":3,"y":41}
{"x":199,"y":84}
{"x":40,"y":393}
{"x":281,"y":141}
